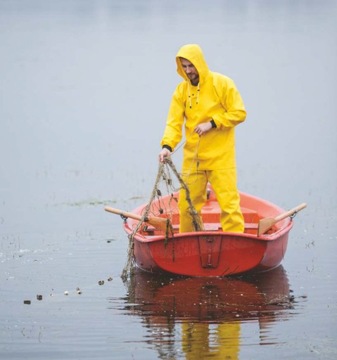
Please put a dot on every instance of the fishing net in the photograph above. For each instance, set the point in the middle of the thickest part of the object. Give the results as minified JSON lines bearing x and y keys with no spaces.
{"x":168,"y":182}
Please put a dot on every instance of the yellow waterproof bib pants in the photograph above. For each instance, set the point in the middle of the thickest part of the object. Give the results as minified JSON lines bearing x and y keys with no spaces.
{"x":224,"y":185}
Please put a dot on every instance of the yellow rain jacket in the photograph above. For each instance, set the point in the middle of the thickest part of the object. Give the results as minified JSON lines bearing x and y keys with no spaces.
{"x":216,"y":97}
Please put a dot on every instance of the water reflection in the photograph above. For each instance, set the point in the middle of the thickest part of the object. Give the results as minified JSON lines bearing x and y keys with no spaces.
{"x":200,"y":317}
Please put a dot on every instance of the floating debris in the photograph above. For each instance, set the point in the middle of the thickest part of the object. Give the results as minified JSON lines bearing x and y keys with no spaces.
{"x":110,"y":278}
{"x":27,"y":302}
{"x":39,"y":297}
{"x":101,"y":282}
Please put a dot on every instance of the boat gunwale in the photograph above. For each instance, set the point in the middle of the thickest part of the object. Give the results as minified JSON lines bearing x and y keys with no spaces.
{"x":265,"y":237}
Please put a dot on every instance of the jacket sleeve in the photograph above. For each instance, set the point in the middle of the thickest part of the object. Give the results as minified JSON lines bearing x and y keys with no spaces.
{"x":175,"y":119}
{"x":234,"y":110}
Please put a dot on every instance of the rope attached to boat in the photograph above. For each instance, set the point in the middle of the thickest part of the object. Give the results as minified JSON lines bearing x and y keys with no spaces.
{"x":163,"y":178}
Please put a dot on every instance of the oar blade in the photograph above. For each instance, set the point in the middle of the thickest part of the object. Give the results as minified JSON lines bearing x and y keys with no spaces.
{"x":265,"y":225}
{"x":158,"y":223}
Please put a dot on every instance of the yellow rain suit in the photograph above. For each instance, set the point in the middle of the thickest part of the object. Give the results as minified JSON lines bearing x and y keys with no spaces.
{"x":209,"y":157}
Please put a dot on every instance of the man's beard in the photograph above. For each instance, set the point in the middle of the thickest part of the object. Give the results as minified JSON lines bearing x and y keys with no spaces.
{"x":194,"y":78}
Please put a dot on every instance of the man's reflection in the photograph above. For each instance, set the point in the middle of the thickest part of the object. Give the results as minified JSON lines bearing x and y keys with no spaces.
{"x":202,"y":340}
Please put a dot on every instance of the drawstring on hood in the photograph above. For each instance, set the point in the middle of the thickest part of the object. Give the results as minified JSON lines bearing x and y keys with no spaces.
{"x":194,"y":54}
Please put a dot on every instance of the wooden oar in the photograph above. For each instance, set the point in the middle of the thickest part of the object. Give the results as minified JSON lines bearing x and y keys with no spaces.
{"x":157,"y":222}
{"x":267,"y":223}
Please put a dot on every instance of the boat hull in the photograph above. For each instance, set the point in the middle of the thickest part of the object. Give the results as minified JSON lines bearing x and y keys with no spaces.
{"x":213,"y":253}
{"x":208,"y":254}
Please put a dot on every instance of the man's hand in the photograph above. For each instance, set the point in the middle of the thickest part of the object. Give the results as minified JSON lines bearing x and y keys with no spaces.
{"x":203,"y":128}
{"x":164,"y":154}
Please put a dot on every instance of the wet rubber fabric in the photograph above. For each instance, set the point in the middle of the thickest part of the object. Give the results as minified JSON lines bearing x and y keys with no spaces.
{"x":224,"y":185}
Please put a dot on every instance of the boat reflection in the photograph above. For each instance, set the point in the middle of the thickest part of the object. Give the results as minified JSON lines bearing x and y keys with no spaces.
{"x":201,"y":317}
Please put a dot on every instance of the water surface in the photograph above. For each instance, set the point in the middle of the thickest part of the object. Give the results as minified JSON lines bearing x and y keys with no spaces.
{"x":85,"y":88}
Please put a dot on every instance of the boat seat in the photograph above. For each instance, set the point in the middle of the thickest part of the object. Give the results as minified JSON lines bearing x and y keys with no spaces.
{"x":217,"y":226}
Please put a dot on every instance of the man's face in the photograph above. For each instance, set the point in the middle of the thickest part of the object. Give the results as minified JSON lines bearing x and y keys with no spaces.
{"x":190,"y":71}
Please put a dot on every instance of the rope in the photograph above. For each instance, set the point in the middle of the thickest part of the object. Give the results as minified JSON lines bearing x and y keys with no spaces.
{"x":197,"y":223}
{"x":163,"y":174}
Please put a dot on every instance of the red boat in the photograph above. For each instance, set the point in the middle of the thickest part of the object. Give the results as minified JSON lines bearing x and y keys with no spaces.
{"x":209,"y":252}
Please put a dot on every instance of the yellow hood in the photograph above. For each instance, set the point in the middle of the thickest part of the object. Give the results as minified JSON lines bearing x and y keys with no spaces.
{"x":194,"y":54}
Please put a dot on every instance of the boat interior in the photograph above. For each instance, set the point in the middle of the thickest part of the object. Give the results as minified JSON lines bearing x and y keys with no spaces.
{"x":253,"y":209}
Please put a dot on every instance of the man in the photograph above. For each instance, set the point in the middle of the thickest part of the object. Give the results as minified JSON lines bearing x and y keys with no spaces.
{"x":210,"y":106}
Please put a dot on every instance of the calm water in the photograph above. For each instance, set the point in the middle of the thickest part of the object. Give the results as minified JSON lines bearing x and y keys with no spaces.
{"x":85,"y":88}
